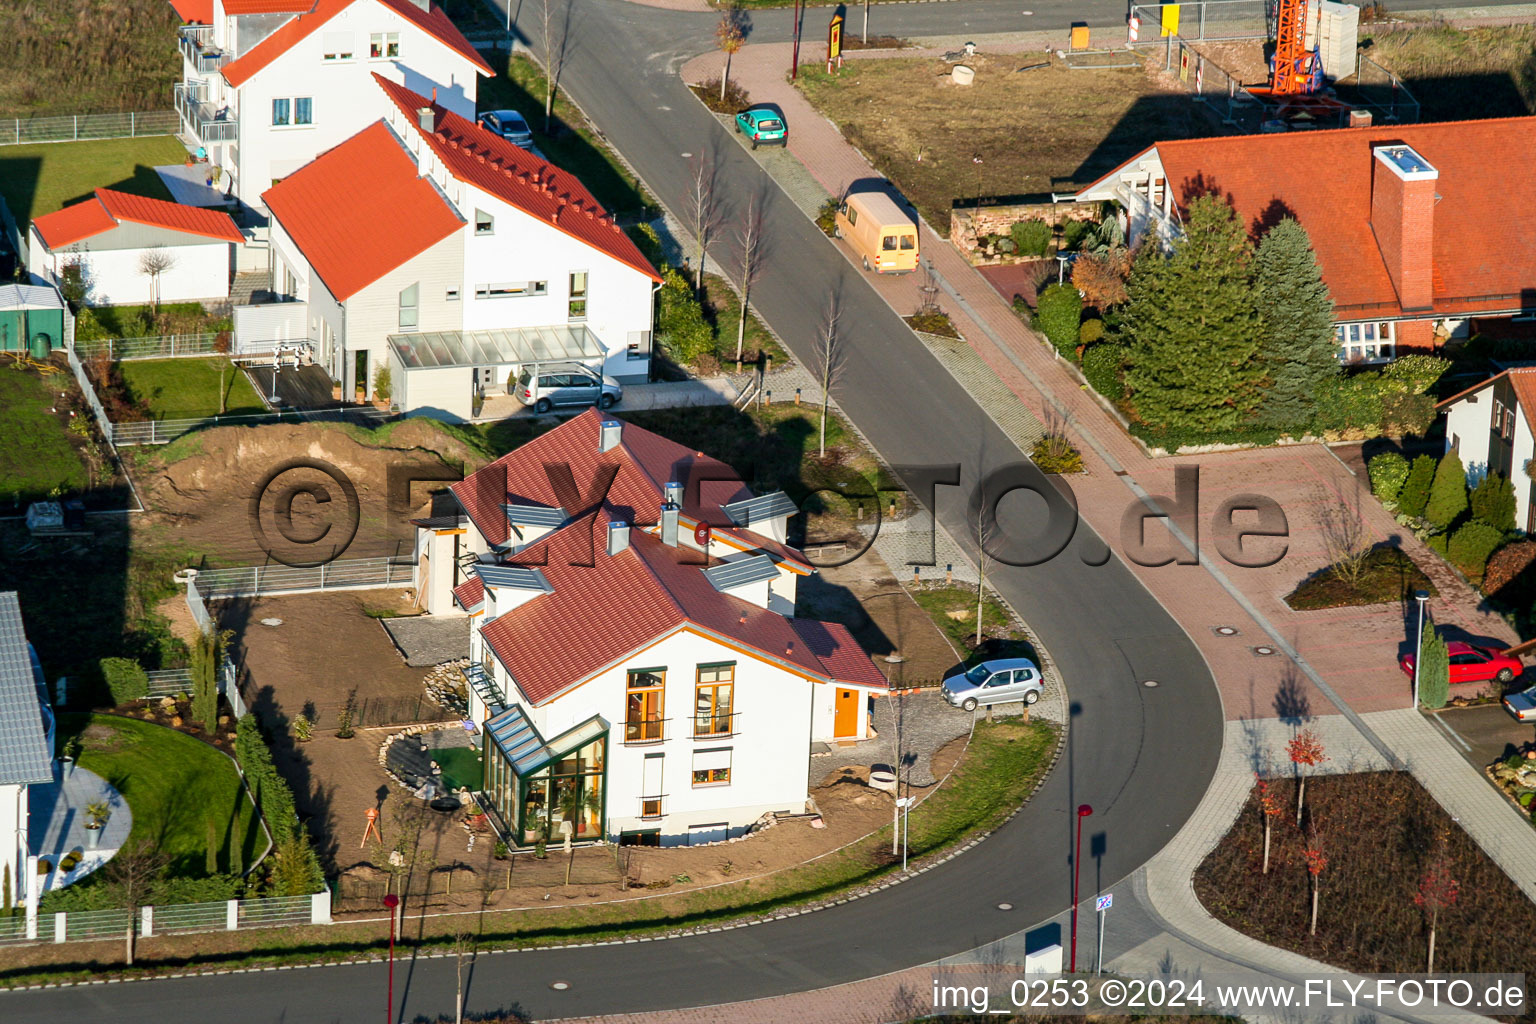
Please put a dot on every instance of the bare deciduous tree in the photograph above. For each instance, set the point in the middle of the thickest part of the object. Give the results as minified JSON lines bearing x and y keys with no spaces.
{"x":461,"y":943}
{"x":829,"y":359}
{"x":130,"y":875}
{"x":749,"y":236}
{"x":153,"y":262}
{"x":555,"y":19}
{"x":701,"y":206}
{"x":1345,"y":541}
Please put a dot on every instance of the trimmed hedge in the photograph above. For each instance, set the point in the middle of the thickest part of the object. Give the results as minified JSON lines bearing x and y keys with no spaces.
{"x":1101,"y":366}
{"x":1471,"y":546}
{"x":1057,"y":315}
{"x":125,"y":679}
{"x":273,"y":797}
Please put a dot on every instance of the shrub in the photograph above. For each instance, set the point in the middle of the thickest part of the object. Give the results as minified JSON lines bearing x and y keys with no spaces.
{"x":1448,"y":494}
{"x":1074,"y":231}
{"x":1057,"y":317}
{"x":1006,"y":246}
{"x":125,"y":679}
{"x":1415,"y":493}
{"x":1414,"y":374}
{"x":680,"y":327}
{"x":269,"y":789}
{"x":1101,"y":365}
{"x":1507,"y":565}
{"x":647,"y":241}
{"x":736,"y":98}
{"x":1493,"y":502}
{"x":1434,"y":669}
{"x":383,"y":383}
{"x":826,"y":217}
{"x":1347,"y":402}
{"x":1090,"y":331}
{"x":1055,"y":454}
{"x":1403,"y":414}
{"x":1388,"y":471}
{"x":1033,"y":237}
{"x":1471,"y":546}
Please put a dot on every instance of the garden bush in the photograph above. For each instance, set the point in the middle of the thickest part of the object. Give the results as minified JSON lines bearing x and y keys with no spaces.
{"x":1507,"y":565}
{"x":1403,"y":414}
{"x":269,"y":789}
{"x":1388,"y":472}
{"x":1101,"y":365}
{"x":125,"y":679}
{"x":1493,"y":502}
{"x":1074,"y":231}
{"x":736,"y":98}
{"x":681,"y":328}
{"x":1090,"y":331}
{"x":1057,"y":317}
{"x":1471,"y":546}
{"x":1415,"y":493}
{"x":826,"y":217}
{"x":1414,"y":374}
{"x":1055,"y":454}
{"x":1347,"y":402}
{"x":1448,"y":494}
{"x":649,"y":242}
{"x":1033,"y":237}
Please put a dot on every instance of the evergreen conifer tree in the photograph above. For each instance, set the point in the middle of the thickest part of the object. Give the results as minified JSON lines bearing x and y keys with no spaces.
{"x":1193,"y":325}
{"x":1296,"y":333}
{"x":1415,"y":493}
{"x":1448,"y":494}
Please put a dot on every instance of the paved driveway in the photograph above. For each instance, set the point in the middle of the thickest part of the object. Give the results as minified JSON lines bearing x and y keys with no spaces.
{"x":1485,"y":733}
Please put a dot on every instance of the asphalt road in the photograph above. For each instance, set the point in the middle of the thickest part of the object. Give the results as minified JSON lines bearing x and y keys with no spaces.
{"x":1141,"y":757}
{"x":1490,"y":732}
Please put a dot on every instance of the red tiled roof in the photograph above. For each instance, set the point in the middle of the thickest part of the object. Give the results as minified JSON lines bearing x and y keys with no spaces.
{"x":470,"y":594}
{"x":494,"y":165}
{"x":317,"y":13}
{"x":1485,"y":215}
{"x":267,"y":6}
{"x":195,"y":12}
{"x":642,"y":464}
{"x":601,"y":613}
{"x":360,"y":210}
{"x":106,"y":209}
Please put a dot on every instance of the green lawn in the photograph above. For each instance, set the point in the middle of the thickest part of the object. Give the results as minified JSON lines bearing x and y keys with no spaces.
{"x":37,"y":456}
{"x":137,"y":321}
{"x":953,"y":610}
{"x":86,"y":56}
{"x":188,"y":388}
{"x":520,"y":86}
{"x":173,"y":784}
{"x":41,"y":178}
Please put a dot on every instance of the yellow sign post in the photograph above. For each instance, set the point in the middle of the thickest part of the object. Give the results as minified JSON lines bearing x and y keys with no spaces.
{"x":1170,"y":13}
{"x":835,"y":43}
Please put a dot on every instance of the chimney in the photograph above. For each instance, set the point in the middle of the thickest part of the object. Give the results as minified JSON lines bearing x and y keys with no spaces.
{"x":669,"y":524}
{"x":425,"y":121}
{"x":609,"y":435}
{"x":674,"y":493}
{"x":618,"y":537}
{"x":1403,"y":219}
{"x":425,"y":5}
{"x":1359,"y":118}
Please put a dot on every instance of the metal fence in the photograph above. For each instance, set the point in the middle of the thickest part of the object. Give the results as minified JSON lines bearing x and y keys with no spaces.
{"x":79,"y":127}
{"x":89,"y":391}
{"x":174,"y":919}
{"x":1380,"y":91}
{"x":83,"y":926}
{"x":186,"y":918}
{"x":13,"y":930}
{"x":166,"y":431}
{"x":169,"y":346}
{"x":342,"y":574}
{"x":168,"y":682}
{"x":275,"y":911}
{"x":1202,"y":20}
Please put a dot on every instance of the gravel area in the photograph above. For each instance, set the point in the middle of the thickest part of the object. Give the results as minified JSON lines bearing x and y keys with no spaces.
{"x":428,"y":640}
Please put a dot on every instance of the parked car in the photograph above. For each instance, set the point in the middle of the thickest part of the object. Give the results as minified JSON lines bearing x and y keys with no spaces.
{"x":510,"y":125}
{"x":1003,"y":681}
{"x":1473,"y":664}
{"x":547,"y":385}
{"x":1522,"y":705}
{"x":763,"y":126}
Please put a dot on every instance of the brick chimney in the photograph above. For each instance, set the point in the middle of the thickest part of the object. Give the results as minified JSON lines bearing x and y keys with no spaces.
{"x":1403,"y":219}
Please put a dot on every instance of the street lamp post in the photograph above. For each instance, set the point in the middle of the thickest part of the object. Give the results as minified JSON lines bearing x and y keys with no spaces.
{"x":1083,"y":810}
{"x":1061,"y":268}
{"x":1422,"y":596}
{"x":391,"y":901}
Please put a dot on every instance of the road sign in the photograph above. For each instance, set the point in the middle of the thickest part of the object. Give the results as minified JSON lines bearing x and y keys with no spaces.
{"x":701,"y":535}
{"x":1135,"y":28}
{"x":1104,"y":902}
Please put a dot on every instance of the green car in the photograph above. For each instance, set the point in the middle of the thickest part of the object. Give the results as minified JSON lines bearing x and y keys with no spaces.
{"x":763,"y":125}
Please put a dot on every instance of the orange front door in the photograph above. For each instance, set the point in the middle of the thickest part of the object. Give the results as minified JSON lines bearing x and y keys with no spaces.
{"x":846,"y":721}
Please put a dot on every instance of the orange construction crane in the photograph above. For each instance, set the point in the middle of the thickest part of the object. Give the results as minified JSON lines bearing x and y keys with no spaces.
{"x":1295,"y":70}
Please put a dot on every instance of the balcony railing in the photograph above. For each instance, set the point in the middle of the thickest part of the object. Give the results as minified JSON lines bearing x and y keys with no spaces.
{"x":196,"y":45}
{"x":644,"y":730}
{"x":203,"y":120}
{"x":715,"y":725}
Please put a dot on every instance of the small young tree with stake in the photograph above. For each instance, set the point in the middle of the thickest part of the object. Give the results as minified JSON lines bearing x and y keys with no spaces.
{"x":153,"y":262}
{"x":1317,"y":862}
{"x":1270,"y":808}
{"x":829,"y":360}
{"x":1437,"y":892}
{"x":129,"y":876}
{"x":749,"y":235}
{"x":730,"y":34}
{"x":701,"y":207}
{"x":1305,"y":751}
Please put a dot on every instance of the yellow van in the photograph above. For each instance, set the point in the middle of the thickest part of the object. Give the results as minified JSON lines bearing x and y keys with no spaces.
{"x":882,"y":233}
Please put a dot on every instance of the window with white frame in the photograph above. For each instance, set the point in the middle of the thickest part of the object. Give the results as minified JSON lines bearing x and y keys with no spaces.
{"x":1498,"y":415}
{"x":298,"y":110}
{"x":485,"y":224}
{"x":338,"y":46}
{"x":383,"y":45}
{"x":577,"y":304}
{"x":410,"y":308}
{"x":712,"y":767}
{"x":511,"y":289}
{"x":1368,"y":342}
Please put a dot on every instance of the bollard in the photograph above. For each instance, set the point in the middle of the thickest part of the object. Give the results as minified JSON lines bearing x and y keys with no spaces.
{"x":768,"y":364}
{"x":767,"y":397}
{"x":914,"y":574}
{"x":891,"y":512}
{"x":797,"y":396}
{"x":949,"y":574}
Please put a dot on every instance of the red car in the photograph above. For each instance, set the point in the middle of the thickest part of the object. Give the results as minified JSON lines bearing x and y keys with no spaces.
{"x":1471,"y":664}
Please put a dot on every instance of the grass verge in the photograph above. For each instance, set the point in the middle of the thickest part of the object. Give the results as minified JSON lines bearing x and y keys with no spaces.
{"x":722,"y":310}
{"x":175,"y":785}
{"x":1386,"y":575}
{"x":1458,"y":73}
{"x":39,"y":179}
{"x":1379,"y":832}
{"x":86,"y":57}
{"x":1004,"y":764}
{"x":953,"y":610}
{"x":37,"y":458}
{"x":189,"y":388}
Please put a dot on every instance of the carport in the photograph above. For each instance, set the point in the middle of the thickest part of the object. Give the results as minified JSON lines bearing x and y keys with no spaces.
{"x":446,"y":373}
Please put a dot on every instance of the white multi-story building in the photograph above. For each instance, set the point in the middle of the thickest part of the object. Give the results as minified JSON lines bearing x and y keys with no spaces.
{"x":267,"y":85}
{"x":427,"y":244}
{"x":26,"y":745}
{"x":637,"y":668}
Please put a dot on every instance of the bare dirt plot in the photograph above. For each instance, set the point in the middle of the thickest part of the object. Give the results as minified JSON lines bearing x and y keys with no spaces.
{"x":1034,"y":131}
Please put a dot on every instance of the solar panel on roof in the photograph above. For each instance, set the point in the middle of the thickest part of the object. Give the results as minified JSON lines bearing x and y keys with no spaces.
{"x":741,"y":572}
{"x":756,"y":510}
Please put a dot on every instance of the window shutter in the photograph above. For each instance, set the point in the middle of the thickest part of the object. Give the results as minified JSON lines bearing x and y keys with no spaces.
{"x":709,"y":760}
{"x":650,"y":786}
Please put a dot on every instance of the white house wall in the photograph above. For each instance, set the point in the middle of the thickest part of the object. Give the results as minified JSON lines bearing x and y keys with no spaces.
{"x":1467,"y":422}
{"x":113,"y":278}
{"x":13,"y":838}
{"x":1525,"y":450}
{"x":345,"y":97}
{"x":373,"y":313}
